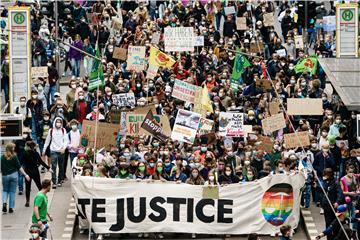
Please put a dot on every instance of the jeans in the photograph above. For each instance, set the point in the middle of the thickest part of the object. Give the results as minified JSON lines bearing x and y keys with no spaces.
{"x":52,"y":91}
{"x":37,"y":60}
{"x":9,"y":188}
{"x":57,"y":159}
{"x":217,"y":21}
{"x":75,"y":67}
{"x":20,"y":182}
{"x":33,"y":127}
{"x":88,"y":65}
{"x":306,"y":196}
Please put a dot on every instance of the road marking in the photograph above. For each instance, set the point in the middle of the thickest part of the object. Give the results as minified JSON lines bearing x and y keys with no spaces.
{"x":66,"y":235}
{"x":69,"y":222}
{"x":68,"y":229}
{"x":310,"y":224}
{"x":71,"y":210}
{"x":306,"y":212}
{"x":72,"y":216}
{"x":72,"y":204}
{"x":308,"y":219}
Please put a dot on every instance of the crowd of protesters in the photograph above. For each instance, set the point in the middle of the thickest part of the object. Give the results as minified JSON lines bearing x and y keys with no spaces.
{"x":54,"y":123}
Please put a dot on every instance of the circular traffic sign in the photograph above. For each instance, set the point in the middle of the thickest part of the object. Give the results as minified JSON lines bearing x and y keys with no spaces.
{"x":347,"y":15}
{"x":19,"y":18}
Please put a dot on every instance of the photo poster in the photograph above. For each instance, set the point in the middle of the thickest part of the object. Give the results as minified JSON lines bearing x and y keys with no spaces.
{"x":299,"y":42}
{"x":184,"y":91}
{"x":231,"y":124}
{"x":124,"y":99}
{"x":179,"y":39}
{"x":151,"y":126}
{"x":136,"y":58}
{"x":299,"y":139}
{"x":206,"y":126}
{"x":186,"y":126}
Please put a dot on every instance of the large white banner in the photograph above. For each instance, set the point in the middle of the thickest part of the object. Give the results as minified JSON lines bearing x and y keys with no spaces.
{"x":179,"y":39}
{"x":127,"y":206}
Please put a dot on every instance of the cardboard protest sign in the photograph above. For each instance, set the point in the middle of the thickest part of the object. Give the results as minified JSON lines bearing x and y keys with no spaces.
{"x":37,"y":72}
{"x":205,"y":126}
{"x":106,"y":134}
{"x":179,"y":39}
{"x":116,"y":23}
{"x":198,"y":106}
{"x":210,"y":192}
{"x":199,"y":41}
{"x":231,"y":124}
{"x":115,"y":116}
{"x":299,"y":42}
{"x":124,"y":99}
{"x":151,"y":126}
{"x":263,"y":84}
{"x":136,"y":58}
{"x":145,"y":109}
{"x":120,"y":53}
{"x":184,"y":91}
{"x":186,"y":126}
{"x":265,"y":143}
{"x":294,"y":140}
{"x":256,"y":47}
{"x":241,"y":23}
{"x":134,"y":121}
{"x":155,"y":38}
{"x":229,"y":10}
{"x":304,"y":106}
{"x":273,"y":123}
{"x":152,"y":71}
{"x":268,"y":19}
{"x":274,"y":107}
{"x":281,"y":52}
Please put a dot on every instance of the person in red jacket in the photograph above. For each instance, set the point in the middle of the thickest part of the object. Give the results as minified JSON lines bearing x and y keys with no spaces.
{"x":81,"y":107}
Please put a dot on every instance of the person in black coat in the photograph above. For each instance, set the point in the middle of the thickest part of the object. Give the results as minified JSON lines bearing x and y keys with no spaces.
{"x":31,"y":162}
{"x":323,"y":159}
{"x":331,"y":188}
{"x":228,"y":177}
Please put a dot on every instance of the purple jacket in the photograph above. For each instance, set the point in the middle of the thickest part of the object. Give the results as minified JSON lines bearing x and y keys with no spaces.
{"x":74,"y":53}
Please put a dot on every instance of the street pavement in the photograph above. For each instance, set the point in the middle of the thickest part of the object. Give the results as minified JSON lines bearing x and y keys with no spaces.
{"x":15,"y":226}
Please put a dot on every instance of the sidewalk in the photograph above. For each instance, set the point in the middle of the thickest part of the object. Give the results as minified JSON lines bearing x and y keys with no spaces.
{"x":16,"y":225}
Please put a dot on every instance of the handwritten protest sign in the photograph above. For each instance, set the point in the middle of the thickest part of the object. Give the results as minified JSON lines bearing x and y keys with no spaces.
{"x":274,"y":107}
{"x":281,"y":52}
{"x":134,"y":121}
{"x":37,"y":72}
{"x":263,"y":84}
{"x":304,"y":106}
{"x":273,"y":123}
{"x":241,"y":23}
{"x":124,"y":99}
{"x":116,"y":23}
{"x":256,"y":47}
{"x":179,"y":39}
{"x":115,"y":116}
{"x":155,"y":38}
{"x":265,"y":143}
{"x":145,"y":109}
{"x":151,"y":126}
{"x":120,"y":53}
{"x":229,"y":10}
{"x":231,"y":124}
{"x":106,"y":134}
{"x":186,"y":126}
{"x":136,"y":58}
{"x":268,"y":19}
{"x":152,"y":71}
{"x":199,"y":41}
{"x":299,"y":42}
{"x":294,"y":140}
{"x":205,"y":126}
{"x":198,"y":107}
{"x":184,"y":91}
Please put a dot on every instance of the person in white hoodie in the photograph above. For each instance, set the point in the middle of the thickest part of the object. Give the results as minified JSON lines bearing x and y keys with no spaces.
{"x":74,"y":140}
{"x":57,"y":140}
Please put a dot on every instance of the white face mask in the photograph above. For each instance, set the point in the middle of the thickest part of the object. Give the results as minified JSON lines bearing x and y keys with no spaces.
{"x":195,"y":175}
{"x":247,"y":162}
{"x":337,"y":121}
{"x":58,"y":125}
{"x":74,"y":127}
{"x":324,"y":134}
{"x":81,"y":97}
{"x":228,"y":173}
{"x":281,"y":169}
{"x":34,"y":235}
{"x":211,"y":178}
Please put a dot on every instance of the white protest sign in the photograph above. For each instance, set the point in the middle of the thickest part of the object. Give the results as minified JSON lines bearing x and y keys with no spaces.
{"x":231,"y":124}
{"x":124,"y":99}
{"x":241,"y":23}
{"x":179,"y":39}
{"x":186,"y":126}
{"x":281,"y":52}
{"x":199,"y":41}
{"x":155,"y":38}
{"x":119,"y":206}
{"x":299,"y":42}
{"x":229,"y":10}
{"x":184,"y":91}
{"x":152,"y":71}
{"x":37,"y":72}
{"x":136,"y":58}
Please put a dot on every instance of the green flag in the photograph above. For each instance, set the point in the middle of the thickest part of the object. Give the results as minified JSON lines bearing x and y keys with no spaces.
{"x":308,"y":64}
{"x":240,"y":64}
{"x":96,"y":77}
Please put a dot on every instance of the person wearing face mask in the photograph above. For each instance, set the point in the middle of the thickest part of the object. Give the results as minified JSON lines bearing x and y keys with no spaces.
{"x":203,"y":151}
{"x":57,"y":140}
{"x":151,"y":166}
{"x":80,"y":107}
{"x":274,"y":156}
{"x":324,"y":132}
{"x":75,"y":56}
{"x":43,"y":130}
{"x":323,"y":159}
{"x":331,"y":188}
{"x":53,"y":77}
{"x":94,"y":114}
{"x":124,"y":172}
{"x":228,"y":177}
{"x":212,"y":181}
{"x":250,"y":176}
{"x":195,"y":178}
{"x":36,"y":108}
{"x":177,"y":174}
{"x":335,"y":127}
{"x":159,"y":173}
{"x":74,"y":140}
{"x":25,"y":111}
{"x":70,"y":97}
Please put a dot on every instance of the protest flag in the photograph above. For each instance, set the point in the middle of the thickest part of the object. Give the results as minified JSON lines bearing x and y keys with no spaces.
{"x":308,"y":64}
{"x":205,"y":100}
{"x":240,"y":64}
{"x":96,"y":77}
{"x":160,"y":59}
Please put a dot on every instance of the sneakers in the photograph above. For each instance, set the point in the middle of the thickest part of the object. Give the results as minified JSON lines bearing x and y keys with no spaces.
{"x":321,"y":211}
{"x":27,"y":204}
{"x":4,"y":208}
{"x":193,"y":235}
{"x":140,"y":235}
{"x":146,"y":235}
{"x":100,"y":237}
{"x":54,"y":186}
{"x":11,"y":210}
{"x":160,"y":236}
{"x":59,"y":184}
{"x":64,"y":74}
{"x":20,"y":192}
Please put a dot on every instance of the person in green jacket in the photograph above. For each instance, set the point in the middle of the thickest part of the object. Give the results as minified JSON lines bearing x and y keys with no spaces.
{"x":10,"y":166}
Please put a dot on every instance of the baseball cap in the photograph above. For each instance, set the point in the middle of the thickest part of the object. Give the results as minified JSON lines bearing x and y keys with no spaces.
{"x":341,"y":209}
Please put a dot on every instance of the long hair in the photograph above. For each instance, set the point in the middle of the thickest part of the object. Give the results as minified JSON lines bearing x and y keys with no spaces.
{"x":9,"y":151}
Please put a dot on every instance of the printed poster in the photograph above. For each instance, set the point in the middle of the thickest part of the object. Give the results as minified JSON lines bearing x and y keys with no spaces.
{"x":179,"y":39}
{"x":186,"y":126}
{"x":231,"y":124}
{"x":136,"y":58}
